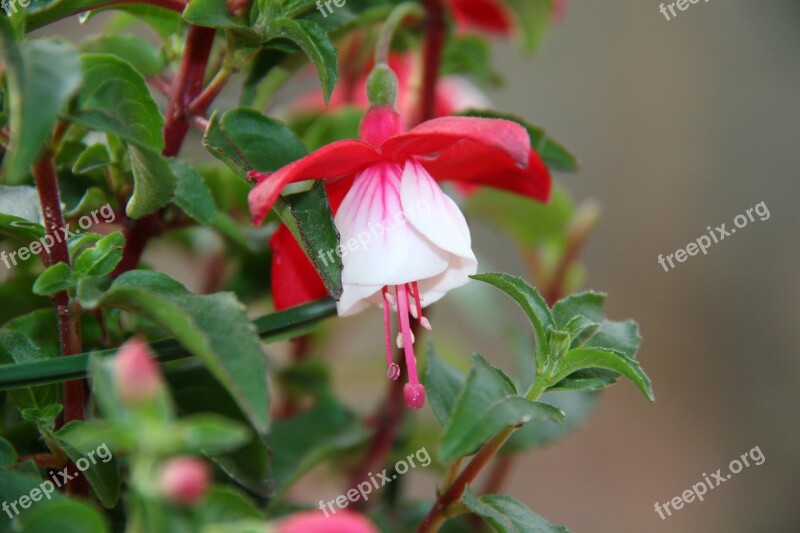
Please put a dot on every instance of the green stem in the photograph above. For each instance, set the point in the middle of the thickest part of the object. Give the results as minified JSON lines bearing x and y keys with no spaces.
{"x":396,"y":17}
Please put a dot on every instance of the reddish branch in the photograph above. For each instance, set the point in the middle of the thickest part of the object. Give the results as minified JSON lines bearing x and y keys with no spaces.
{"x":434,"y":46}
{"x":184,"y":90}
{"x":69,"y":332}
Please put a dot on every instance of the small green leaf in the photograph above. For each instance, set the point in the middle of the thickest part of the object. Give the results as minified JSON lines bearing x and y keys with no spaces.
{"x":578,"y":327}
{"x":589,"y":304}
{"x":8,"y":455}
{"x":20,"y":230}
{"x":114,"y":98}
{"x":487,"y":404}
{"x":225,"y":505}
{"x":142,"y":55}
{"x":93,"y":199}
{"x":443,"y":383}
{"x":531,"y":302}
{"x":507,"y":514}
{"x":211,"y":434}
{"x":316,"y":44}
{"x":165,"y":22}
{"x":37,"y":92}
{"x":94,"y":157}
{"x":101,"y":259}
{"x":308,"y":216}
{"x":246,"y":140}
{"x":214,"y":328}
{"x":558,"y":343}
{"x":94,"y":459}
{"x":154,"y":182}
{"x":55,"y":279}
{"x":16,"y":348}
{"x":211,"y":14}
{"x":44,"y":416}
{"x":63,"y":515}
{"x":588,"y":358}
{"x":41,"y":13}
{"x":192,"y":194}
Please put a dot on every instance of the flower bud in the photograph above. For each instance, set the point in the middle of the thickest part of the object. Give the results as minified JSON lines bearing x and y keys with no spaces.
{"x":341,"y":521}
{"x":184,"y":480}
{"x":382,"y":86}
{"x":137,"y":378}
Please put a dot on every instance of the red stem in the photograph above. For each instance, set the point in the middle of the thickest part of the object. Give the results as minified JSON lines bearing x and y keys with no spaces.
{"x":434,"y":46}
{"x":187,"y":86}
{"x":69,"y":331}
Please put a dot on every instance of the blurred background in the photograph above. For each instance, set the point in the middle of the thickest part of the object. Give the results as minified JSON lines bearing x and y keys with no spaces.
{"x":679,"y":125}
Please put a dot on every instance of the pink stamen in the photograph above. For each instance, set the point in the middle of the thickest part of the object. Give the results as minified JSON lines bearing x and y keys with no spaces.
{"x":413,"y":391}
{"x":415,"y":293}
{"x":393,"y":371}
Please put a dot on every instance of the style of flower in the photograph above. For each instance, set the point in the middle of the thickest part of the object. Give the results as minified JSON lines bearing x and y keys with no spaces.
{"x":389,"y":181}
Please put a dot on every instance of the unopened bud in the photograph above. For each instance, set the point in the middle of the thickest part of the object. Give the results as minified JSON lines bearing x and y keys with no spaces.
{"x":137,"y":377}
{"x":184,"y":480}
{"x":330,"y":519}
{"x":382,"y":86}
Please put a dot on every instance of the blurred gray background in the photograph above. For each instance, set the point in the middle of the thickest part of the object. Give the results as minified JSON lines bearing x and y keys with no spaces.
{"x":679,"y":125}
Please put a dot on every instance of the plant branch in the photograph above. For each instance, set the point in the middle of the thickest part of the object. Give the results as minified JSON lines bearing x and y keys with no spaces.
{"x":434,"y":46}
{"x":452,"y":495}
{"x":69,"y":332}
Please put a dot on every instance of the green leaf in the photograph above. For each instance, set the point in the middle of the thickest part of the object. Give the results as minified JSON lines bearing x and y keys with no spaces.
{"x":246,"y":140}
{"x":211,"y":14}
{"x":165,"y":22}
{"x":55,"y":279}
{"x":92,"y":200}
{"x":196,"y":391}
{"x":308,"y":216}
{"x":62,"y":515}
{"x":316,"y":44}
{"x":37,"y":92}
{"x":507,"y":514}
{"x":214,"y":328}
{"x":301,"y":442}
{"x":275,"y":326}
{"x":552,"y":153}
{"x":589,"y":358}
{"x":44,"y":417}
{"x":531,"y":302}
{"x":8,"y":455}
{"x":19,"y":229}
{"x":226,"y":505}
{"x":589,"y":304}
{"x":211,"y":434}
{"x":535,"y":17}
{"x":443,"y":383}
{"x":487,"y":404}
{"x":42,"y":15}
{"x":114,"y":98}
{"x":16,"y":348}
{"x":145,"y":58}
{"x":192,"y":194}
{"x":154,"y":182}
{"x":95,"y":459}
{"x":471,"y":55}
{"x":101,"y":259}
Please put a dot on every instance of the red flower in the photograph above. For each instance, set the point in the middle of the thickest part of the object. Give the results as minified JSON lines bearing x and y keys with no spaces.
{"x":316,"y":522}
{"x":386,"y":175}
{"x":486,"y":15}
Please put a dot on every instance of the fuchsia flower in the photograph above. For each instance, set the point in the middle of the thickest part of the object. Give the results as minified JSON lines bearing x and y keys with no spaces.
{"x":491,"y":16}
{"x":420,"y":245}
{"x":185,"y":480}
{"x":137,"y":378}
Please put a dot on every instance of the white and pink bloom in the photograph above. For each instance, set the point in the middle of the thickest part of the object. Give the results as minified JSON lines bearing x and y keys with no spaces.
{"x":379,"y":180}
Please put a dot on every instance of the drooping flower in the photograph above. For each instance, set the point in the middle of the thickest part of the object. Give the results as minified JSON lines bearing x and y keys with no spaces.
{"x":407,"y":242}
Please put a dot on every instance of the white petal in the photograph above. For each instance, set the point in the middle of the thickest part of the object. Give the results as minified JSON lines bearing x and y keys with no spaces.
{"x":433,"y":213}
{"x":378,"y":245}
{"x":356,"y":298}
{"x":433,"y":289}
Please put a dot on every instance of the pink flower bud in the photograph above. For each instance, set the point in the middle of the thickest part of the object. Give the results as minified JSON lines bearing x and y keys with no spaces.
{"x":342,"y":521}
{"x":184,"y":480}
{"x":137,"y":377}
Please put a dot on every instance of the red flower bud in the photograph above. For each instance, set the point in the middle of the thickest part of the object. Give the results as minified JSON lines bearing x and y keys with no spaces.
{"x":184,"y":480}
{"x":341,"y":522}
{"x":137,"y":377}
